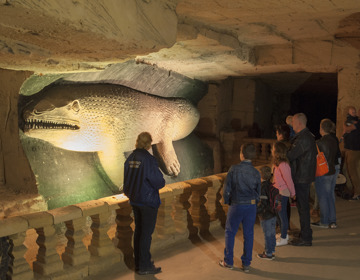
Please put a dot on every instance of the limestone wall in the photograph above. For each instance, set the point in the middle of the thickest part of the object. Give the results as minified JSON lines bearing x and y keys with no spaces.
{"x":15,"y":172}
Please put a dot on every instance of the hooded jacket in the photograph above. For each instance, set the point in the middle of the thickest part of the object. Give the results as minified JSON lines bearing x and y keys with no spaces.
{"x":142,"y":179}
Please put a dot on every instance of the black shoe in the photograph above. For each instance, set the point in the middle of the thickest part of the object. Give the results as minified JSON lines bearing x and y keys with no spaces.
{"x":154,"y":270}
{"x":300,"y":243}
{"x":320,"y":225}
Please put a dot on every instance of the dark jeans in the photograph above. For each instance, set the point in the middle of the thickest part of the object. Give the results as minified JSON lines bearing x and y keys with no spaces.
{"x":302,"y":204}
{"x":145,"y":220}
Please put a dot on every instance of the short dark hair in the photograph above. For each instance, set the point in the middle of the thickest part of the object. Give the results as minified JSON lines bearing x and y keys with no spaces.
{"x":327,"y":125}
{"x":284,"y":130}
{"x":248,"y":150}
{"x":265,"y":172}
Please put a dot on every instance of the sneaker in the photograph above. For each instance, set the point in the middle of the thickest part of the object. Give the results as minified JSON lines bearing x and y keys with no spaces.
{"x":333,"y":225}
{"x":282,"y":242}
{"x":265,"y":257}
{"x":246,"y":268}
{"x":355,"y":198}
{"x":278,"y":236}
{"x":320,"y":225}
{"x":225,"y":265}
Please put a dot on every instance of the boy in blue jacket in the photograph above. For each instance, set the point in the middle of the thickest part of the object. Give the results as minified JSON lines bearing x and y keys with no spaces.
{"x":142,"y":181}
{"x":242,"y":192}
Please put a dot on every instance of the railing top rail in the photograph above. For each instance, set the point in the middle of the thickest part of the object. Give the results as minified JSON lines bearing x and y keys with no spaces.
{"x":259,"y":140}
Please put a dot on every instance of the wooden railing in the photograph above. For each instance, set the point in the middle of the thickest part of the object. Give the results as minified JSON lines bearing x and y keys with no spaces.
{"x":85,"y":239}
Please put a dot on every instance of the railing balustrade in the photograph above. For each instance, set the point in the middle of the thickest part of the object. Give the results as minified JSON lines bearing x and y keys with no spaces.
{"x":85,"y":239}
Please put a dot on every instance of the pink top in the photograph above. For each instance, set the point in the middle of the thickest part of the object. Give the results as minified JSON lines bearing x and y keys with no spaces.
{"x":282,"y":178}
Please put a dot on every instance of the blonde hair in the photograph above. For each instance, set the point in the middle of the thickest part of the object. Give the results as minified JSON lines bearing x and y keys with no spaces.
{"x":280,"y":150}
{"x":143,"y":141}
{"x":289,"y":120}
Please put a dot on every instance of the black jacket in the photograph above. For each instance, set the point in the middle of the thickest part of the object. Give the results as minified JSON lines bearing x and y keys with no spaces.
{"x":328,"y":145}
{"x":302,"y":157}
{"x":352,"y":139}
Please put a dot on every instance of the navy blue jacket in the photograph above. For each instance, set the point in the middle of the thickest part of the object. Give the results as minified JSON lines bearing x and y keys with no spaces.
{"x":142,"y":179}
{"x":242,"y":184}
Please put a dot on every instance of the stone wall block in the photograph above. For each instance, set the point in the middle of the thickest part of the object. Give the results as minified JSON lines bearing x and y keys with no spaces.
{"x":19,"y":269}
{"x":75,"y":252}
{"x":47,"y":260}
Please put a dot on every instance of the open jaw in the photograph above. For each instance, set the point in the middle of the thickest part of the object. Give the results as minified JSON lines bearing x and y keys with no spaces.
{"x":46,"y":124}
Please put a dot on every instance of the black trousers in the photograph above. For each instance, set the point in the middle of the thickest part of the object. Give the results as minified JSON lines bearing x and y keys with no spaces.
{"x":303,"y":206}
{"x":145,"y":220}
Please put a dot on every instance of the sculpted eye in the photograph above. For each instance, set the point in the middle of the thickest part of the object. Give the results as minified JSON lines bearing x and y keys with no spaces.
{"x":75,"y":106}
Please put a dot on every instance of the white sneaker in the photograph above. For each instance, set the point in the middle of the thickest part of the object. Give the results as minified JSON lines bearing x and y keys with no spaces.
{"x":282,"y":242}
{"x":278,"y":237}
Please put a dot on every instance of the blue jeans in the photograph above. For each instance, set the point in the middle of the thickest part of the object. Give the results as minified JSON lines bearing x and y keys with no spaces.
{"x":246,"y":215}
{"x":269,"y":229}
{"x":325,"y":191}
{"x":284,"y":216}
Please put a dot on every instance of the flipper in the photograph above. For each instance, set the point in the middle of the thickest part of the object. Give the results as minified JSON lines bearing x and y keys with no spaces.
{"x":169,"y":162}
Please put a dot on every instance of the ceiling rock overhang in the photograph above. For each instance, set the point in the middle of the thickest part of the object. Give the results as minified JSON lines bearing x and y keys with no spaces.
{"x":203,"y":39}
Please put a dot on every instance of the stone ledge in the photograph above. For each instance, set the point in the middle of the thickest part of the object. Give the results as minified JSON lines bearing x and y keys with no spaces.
{"x":93,"y":207}
{"x":64,"y":214}
{"x":13,"y":225}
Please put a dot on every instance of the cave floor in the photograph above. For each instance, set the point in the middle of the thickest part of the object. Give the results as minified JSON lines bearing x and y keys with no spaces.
{"x":334,"y":254}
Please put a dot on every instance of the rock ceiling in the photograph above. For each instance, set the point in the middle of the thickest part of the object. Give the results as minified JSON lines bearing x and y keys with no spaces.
{"x":203,"y":39}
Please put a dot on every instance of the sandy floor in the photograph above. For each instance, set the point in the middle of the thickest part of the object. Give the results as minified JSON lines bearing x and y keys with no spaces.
{"x":334,"y":255}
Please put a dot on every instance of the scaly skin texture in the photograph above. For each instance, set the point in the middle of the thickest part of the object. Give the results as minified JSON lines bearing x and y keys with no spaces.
{"x":107,"y":119}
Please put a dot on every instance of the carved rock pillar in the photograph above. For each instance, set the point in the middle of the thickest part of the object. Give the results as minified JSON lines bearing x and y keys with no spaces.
{"x":165,"y":231}
{"x":47,"y":260}
{"x":124,"y":233}
{"x":197,"y":210}
{"x":102,"y":250}
{"x":76,"y":254}
{"x":19,"y":268}
{"x":181,"y":195}
{"x":213,"y":197}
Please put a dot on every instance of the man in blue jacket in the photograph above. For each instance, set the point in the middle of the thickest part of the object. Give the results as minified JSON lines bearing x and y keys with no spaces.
{"x":142,"y":181}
